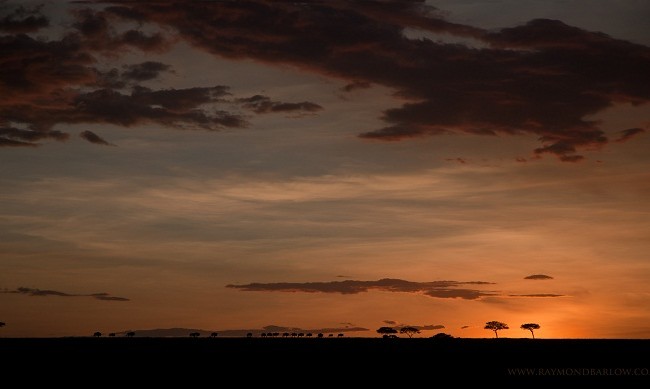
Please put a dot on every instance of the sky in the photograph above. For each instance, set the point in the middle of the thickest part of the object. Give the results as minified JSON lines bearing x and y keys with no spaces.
{"x":325,"y":165}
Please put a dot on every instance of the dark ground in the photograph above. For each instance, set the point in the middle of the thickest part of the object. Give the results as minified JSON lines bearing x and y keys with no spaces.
{"x":327,"y":362}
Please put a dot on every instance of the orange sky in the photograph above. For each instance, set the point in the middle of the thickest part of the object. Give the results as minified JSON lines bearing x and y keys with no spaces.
{"x":158,"y":198}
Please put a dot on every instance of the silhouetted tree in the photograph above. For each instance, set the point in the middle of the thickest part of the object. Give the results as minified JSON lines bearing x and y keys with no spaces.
{"x":112,"y":334}
{"x":285,"y":335}
{"x":309,"y":335}
{"x":340,"y":335}
{"x":530,"y":327}
{"x":330,"y":335}
{"x":300,"y":335}
{"x":263,"y":335}
{"x":320,"y":335}
{"x":409,"y":331}
{"x":442,"y":335}
{"x":194,"y":334}
{"x":276,"y":334}
{"x":386,"y":331}
{"x":249,"y":335}
{"x":214,"y":334}
{"x":97,"y":334}
{"x":294,"y":334}
{"x":496,"y":326}
{"x":130,"y":334}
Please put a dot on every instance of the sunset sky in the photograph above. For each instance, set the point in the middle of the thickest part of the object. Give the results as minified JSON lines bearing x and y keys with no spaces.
{"x":226,"y":165}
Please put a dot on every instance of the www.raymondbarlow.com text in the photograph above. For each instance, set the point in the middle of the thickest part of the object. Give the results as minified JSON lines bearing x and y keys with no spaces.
{"x":582,"y":371}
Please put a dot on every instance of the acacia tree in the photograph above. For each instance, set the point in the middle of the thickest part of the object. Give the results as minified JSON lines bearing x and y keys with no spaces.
{"x":530,"y":327}
{"x":409,"y":331}
{"x":496,"y":326}
{"x":386,"y":331}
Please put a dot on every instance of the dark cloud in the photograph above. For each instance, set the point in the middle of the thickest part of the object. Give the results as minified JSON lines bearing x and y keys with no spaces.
{"x":44,"y":292}
{"x":48,"y":83}
{"x":463,"y":327}
{"x":466,"y":294}
{"x":94,"y":138}
{"x":537,"y":295}
{"x":144,"y":71}
{"x":170,"y":107}
{"x":543,"y":78}
{"x":125,"y":13}
{"x":39,"y":292}
{"x":435,"y":289}
{"x":11,"y":136}
{"x":97,"y":32}
{"x":356,"y":85}
{"x":459,"y":160}
{"x":21,"y":19}
{"x":4,"y":142}
{"x":429,"y":327}
{"x":438,"y":289}
{"x":137,"y":38}
{"x":263,"y":104}
{"x":629,"y":134}
{"x":107,"y":297}
{"x":538,"y":277}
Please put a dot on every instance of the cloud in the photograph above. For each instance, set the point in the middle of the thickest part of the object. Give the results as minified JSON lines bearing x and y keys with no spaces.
{"x":437,"y":289}
{"x":46,"y":83}
{"x":430,"y":327}
{"x":263,"y":104}
{"x":94,"y":138}
{"x":543,"y":78}
{"x":11,"y":136}
{"x":461,"y":161}
{"x":96,"y":29}
{"x":538,"y":277}
{"x":356,"y":85}
{"x":144,"y":71}
{"x":22,"y":19}
{"x":426,"y":327}
{"x":466,"y":294}
{"x":107,"y":297}
{"x":537,"y":295}
{"x":629,"y":134}
{"x":44,"y":292}
{"x":463,"y":327}
{"x":4,"y":142}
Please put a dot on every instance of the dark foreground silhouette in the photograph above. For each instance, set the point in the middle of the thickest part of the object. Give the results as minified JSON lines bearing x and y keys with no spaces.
{"x":361,"y":360}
